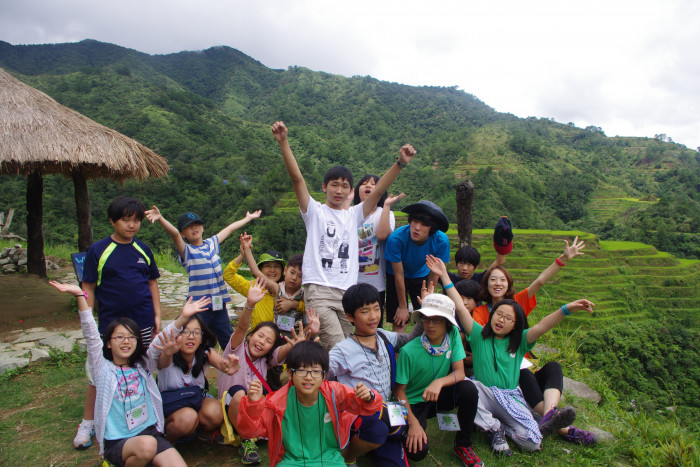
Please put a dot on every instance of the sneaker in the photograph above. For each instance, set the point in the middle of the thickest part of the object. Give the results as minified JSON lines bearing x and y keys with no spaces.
{"x":556,"y":419}
{"x":249,"y":452}
{"x":499,"y":444}
{"x":83,"y":439}
{"x":468,"y":456}
{"x":582,"y":437}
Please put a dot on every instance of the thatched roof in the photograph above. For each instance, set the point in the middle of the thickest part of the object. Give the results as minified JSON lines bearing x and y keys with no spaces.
{"x":38,"y":132}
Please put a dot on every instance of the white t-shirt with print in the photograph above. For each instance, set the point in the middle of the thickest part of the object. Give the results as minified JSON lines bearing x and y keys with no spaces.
{"x":330,"y":255}
{"x":371,"y":251}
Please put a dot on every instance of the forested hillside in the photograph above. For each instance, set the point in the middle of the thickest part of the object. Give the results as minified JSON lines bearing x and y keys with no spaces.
{"x":209,"y":114}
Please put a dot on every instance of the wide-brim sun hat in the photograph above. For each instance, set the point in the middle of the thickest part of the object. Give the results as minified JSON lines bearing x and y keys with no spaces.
{"x":436,"y":305}
{"x":432,"y":209}
{"x":272,"y":256}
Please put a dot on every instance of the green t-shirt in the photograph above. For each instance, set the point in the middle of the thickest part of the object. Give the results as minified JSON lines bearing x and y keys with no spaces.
{"x":416,"y":368}
{"x":301,"y":430}
{"x":508,"y":373}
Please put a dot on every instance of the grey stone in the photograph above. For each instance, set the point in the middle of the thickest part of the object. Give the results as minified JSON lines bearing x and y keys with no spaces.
{"x":22,"y":269}
{"x":33,"y":336}
{"x":22,"y":261}
{"x":5,"y":252}
{"x":13,"y":353}
{"x":581,"y":390}
{"x":73,"y":334}
{"x":5,"y":345}
{"x":39,"y":355}
{"x":82,"y":344}
{"x":12,"y":363}
{"x":542,"y":348}
{"x":25,"y":345}
{"x":5,"y":261}
{"x":59,"y":343}
{"x":9,"y":268}
{"x":37,"y":329}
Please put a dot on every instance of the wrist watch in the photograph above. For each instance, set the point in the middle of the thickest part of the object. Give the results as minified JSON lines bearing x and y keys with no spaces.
{"x":402,"y":165}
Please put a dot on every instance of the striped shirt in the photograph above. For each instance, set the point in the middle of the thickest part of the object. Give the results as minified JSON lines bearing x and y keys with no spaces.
{"x":203,"y":267}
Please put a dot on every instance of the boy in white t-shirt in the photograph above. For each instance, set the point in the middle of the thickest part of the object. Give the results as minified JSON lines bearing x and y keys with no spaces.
{"x":331,"y":251}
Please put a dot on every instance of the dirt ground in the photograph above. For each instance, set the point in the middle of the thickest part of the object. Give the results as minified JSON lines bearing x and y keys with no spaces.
{"x":28,"y":301}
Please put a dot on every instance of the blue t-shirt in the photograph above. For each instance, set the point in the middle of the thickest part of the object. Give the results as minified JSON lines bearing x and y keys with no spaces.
{"x":400,"y":248}
{"x":131,"y":397}
{"x":122,"y":289}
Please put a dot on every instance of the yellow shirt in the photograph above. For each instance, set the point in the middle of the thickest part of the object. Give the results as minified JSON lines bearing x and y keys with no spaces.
{"x":265,"y":309}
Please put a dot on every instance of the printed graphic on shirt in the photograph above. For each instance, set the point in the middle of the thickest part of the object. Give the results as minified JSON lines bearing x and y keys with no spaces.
{"x":369,"y":261}
{"x":334,"y":246}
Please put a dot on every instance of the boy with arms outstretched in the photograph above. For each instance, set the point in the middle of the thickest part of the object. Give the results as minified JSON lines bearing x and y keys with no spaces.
{"x":331,"y":251}
{"x":201,"y":260}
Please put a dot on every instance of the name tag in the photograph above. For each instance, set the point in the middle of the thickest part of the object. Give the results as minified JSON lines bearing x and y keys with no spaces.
{"x":217,"y":303}
{"x":285,"y":323}
{"x":396,"y":413}
{"x":448,"y":422}
{"x":137,"y":416}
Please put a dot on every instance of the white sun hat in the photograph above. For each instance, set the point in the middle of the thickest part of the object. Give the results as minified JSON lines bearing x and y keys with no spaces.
{"x":436,"y":305}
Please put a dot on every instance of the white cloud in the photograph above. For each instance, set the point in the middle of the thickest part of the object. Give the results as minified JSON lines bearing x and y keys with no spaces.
{"x":626,"y":66}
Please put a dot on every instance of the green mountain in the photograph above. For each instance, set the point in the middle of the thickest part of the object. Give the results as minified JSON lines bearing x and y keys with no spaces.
{"x":209,"y":113}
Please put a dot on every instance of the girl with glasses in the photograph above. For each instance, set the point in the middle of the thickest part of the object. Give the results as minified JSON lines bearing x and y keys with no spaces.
{"x":183,"y":351}
{"x":128,"y":412}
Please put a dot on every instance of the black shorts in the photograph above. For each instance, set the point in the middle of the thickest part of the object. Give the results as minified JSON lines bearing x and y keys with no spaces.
{"x":114,"y":447}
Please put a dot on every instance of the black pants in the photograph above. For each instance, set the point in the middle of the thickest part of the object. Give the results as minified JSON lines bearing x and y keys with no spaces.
{"x":462,"y":395}
{"x":412,"y":286}
{"x":533,"y":385}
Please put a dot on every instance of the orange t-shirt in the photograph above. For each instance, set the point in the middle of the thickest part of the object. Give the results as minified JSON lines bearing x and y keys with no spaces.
{"x":481,"y":313}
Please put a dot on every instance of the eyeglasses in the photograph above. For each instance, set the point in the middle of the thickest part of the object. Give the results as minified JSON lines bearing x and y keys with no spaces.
{"x":316,"y":374}
{"x":507,"y":319}
{"x":119,"y":339}
{"x":195,"y":333}
{"x":431,"y":319}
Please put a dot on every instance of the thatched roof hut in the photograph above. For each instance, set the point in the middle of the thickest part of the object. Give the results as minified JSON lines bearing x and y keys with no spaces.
{"x":39,"y":136}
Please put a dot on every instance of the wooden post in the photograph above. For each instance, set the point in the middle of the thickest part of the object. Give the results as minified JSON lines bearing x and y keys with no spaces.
{"x":465,"y":200}
{"x":36,"y":263}
{"x":82,"y":205}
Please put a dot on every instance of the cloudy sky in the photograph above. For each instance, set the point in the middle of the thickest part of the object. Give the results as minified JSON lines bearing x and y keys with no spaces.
{"x":625,"y":66}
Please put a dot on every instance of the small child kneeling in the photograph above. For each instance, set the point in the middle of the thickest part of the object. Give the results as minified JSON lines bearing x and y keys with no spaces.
{"x":300,"y":428}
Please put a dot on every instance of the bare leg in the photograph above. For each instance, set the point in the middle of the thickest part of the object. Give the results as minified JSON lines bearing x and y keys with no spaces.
{"x":89,"y":408}
{"x":181,"y":423}
{"x":139,"y":451}
{"x":169,"y":458}
{"x":210,"y":415}
{"x":357,"y":447}
{"x":232,"y":411}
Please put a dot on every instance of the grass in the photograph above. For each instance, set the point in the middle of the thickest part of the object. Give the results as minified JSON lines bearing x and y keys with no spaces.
{"x":41,"y":405}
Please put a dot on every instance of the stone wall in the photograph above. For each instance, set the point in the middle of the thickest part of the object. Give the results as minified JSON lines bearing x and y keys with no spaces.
{"x":14,"y":260}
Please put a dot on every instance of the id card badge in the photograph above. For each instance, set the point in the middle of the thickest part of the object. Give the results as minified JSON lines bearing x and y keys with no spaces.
{"x":285,"y":323}
{"x":395,"y":412}
{"x":448,"y":422}
{"x":217,"y":303}
{"x":136,"y":416}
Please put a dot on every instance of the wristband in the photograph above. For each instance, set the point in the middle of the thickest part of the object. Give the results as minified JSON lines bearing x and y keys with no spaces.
{"x":246,"y":307}
{"x":565,"y":311}
{"x":559,"y":262}
{"x":371,"y":395}
{"x":448,"y":286}
{"x":402,"y":165}
{"x":82,"y":294}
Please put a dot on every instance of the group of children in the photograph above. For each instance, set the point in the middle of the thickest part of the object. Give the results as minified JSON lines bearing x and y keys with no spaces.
{"x":356,"y":389}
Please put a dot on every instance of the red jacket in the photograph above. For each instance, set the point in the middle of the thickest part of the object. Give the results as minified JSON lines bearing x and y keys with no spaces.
{"x":263,"y":418}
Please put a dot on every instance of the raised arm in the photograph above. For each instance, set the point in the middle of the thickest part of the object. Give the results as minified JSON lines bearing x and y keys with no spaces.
{"x":438,"y":267}
{"x":384,"y":227}
{"x":279,"y":131}
{"x":247,"y":252}
{"x":255,"y":293}
{"x":154,"y":215}
{"x":570,"y":251}
{"x":556,"y":317}
{"x":226,"y":231}
{"x":405,"y":156}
